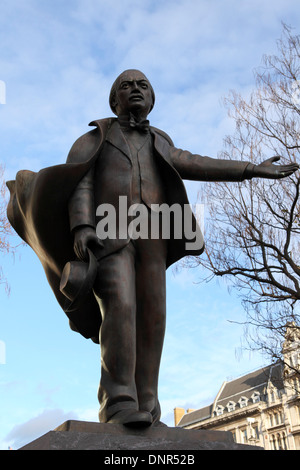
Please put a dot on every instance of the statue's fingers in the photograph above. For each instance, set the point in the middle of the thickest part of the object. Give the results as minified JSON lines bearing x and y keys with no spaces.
{"x":276,"y":158}
{"x":271,"y":160}
{"x":80,"y":251}
{"x":286,"y":173}
{"x":291,"y":167}
{"x":76,"y":251}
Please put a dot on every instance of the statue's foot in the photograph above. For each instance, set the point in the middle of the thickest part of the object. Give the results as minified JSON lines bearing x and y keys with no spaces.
{"x":132,"y":418}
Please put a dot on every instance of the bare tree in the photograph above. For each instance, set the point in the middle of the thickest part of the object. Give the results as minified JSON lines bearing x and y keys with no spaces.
{"x":252,"y":228}
{"x":6,"y":231}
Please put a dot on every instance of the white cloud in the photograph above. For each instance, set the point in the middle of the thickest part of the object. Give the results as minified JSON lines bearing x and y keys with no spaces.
{"x":36,"y":427}
{"x":59,"y":66}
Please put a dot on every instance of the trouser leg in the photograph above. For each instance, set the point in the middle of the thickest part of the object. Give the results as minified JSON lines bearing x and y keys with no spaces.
{"x":151,"y":320}
{"x":115,"y":292}
{"x":130,"y":289}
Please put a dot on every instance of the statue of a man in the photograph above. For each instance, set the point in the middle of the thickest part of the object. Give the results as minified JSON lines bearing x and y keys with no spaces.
{"x":113,"y":289}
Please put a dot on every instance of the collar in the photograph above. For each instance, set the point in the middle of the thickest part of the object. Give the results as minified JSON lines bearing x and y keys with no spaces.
{"x":130,"y":123}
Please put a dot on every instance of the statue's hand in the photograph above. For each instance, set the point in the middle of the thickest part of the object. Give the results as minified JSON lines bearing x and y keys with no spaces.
{"x":266,"y":169}
{"x":85,"y":237}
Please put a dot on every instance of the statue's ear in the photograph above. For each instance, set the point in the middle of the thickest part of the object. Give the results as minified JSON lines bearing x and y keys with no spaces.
{"x":114,"y":104}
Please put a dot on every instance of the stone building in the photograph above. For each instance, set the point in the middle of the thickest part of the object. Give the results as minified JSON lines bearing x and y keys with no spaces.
{"x":260,"y":408}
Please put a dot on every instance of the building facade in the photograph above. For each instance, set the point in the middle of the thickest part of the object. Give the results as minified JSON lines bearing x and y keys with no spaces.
{"x":260,"y":408}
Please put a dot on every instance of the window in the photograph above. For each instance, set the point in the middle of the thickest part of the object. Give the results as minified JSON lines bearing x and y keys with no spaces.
{"x":256,"y":397}
{"x":278,"y":441}
{"x":256,"y":431}
{"x":219,"y":410}
{"x":273,"y":442}
{"x":284,"y":442}
{"x":243,"y":402}
{"x":276,"y":418}
{"x":295,"y":385}
{"x":244,"y":435}
{"x":281,"y":443}
{"x":230,"y":406}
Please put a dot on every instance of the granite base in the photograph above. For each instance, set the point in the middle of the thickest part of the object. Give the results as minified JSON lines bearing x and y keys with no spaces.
{"x":81,"y":435}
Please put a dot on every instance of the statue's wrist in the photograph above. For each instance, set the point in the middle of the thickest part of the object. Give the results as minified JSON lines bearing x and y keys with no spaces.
{"x":249,"y":171}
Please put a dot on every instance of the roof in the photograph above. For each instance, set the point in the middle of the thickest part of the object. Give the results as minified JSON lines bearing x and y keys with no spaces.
{"x":234,"y":390}
{"x":196,"y":416}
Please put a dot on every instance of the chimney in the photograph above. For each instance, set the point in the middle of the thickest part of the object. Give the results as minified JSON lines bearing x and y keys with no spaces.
{"x":178,"y":414}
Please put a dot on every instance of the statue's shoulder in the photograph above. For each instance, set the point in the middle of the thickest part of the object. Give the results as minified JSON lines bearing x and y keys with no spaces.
{"x":163,"y":134}
{"x":86,"y":145}
{"x":103,"y":124}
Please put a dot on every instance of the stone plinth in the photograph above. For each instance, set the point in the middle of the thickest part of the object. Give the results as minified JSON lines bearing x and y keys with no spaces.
{"x":80,"y":435}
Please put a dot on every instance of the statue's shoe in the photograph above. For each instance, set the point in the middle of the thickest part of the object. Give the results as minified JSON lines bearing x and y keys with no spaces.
{"x":132,"y":418}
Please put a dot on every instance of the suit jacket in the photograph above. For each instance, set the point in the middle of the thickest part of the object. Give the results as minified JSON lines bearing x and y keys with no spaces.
{"x":173,"y":164}
{"x":38,"y":207}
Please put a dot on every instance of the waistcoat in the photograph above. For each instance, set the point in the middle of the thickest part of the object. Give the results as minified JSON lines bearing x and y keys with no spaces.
{"x":147,"y":185}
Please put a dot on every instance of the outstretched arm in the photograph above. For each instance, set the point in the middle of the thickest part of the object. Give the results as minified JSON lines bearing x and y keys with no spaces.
{"x":196,"y":167}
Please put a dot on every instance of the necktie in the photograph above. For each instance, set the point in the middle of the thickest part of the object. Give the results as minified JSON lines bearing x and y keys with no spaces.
{"x":132,"y":123}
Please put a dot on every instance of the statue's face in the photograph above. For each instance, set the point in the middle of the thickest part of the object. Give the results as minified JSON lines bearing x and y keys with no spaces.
{"x":133,"y":94}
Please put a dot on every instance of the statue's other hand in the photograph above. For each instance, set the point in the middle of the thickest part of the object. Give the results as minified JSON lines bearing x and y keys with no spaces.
{"x":266,"y":169}
{"x":85,"y":237}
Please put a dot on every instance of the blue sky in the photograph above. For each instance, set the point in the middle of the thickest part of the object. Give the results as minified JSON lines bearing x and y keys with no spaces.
{"x":58,"y":61}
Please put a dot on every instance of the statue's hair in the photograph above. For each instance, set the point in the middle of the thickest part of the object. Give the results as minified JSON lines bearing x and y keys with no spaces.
{"x":114,"y":87}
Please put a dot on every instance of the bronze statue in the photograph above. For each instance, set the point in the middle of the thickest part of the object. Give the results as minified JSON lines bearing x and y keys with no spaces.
{"x":113,"y":289}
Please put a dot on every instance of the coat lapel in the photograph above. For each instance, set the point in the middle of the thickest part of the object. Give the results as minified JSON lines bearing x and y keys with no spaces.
{"x":116,"y":138}
{"x":161,"y":145}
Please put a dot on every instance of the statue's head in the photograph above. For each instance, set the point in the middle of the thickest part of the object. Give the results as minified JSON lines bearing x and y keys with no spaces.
{"x":132,"y":92}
